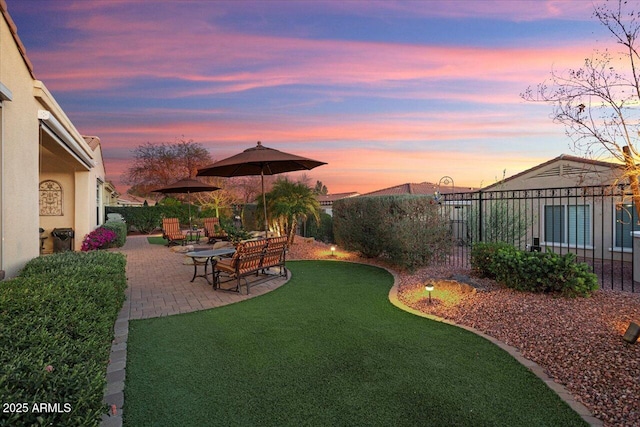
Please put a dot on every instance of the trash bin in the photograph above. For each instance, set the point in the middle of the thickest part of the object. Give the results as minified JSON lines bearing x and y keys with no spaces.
{"x":62,"y":239}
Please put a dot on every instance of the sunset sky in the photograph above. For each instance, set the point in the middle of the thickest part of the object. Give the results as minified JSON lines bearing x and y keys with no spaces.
{"x":384,"y":92}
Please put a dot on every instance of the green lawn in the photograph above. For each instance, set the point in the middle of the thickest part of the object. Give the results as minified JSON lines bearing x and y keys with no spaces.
{"x":326,"y":349}
{"x":159,"y":240}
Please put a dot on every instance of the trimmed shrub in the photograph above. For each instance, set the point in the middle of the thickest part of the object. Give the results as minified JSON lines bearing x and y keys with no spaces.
{"x":120,"y":228}
{"x":534,"y":271}
{"x":407,"y":230}
{"x":56,"y":334}
{"x":147,"y":219}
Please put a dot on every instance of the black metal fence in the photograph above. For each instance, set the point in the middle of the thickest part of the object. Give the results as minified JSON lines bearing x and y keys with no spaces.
{"x":594,"y":222}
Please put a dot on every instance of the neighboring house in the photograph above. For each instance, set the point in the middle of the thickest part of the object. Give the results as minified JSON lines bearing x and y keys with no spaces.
{"x":131,"y":200}
{"x":49,"y":174}
{"x":105,"y":191}
{"x":422,"y":188}
{"x":567,"y":203}
{"x":326,"y":200}
{"x":111,"y":194}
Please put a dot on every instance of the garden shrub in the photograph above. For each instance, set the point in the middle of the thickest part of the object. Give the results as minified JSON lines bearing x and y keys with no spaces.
{"x":407,"y":230}
{"x":534,"y":271}
{"x":147,"y":219}
{"x":100,"y":238}
{"x":120,"y":228}
{"x":483,"y":258}
{"x":55,"y":336}
{"x":323,"y":230}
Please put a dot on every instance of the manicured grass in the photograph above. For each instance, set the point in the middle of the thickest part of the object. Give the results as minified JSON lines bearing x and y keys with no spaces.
{"x":328,"y":348}
{"x":156,"y":240}
{"x":159,"y":240}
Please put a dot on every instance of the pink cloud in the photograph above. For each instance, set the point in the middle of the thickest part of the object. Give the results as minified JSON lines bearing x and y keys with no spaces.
{"x":116,"y":49}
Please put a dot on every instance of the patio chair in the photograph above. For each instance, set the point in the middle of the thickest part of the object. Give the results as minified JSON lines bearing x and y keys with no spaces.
{"x":275,"y":254}
{"x":213,"y":230}
{"x":171,"y":231}
{"x":245,"y":261}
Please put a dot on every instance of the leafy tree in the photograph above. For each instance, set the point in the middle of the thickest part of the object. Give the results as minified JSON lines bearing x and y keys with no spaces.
{"x":288,"y":203}
{"x":598,"y":102}
{"x":156,"y":165}
{"x":320,"y":189}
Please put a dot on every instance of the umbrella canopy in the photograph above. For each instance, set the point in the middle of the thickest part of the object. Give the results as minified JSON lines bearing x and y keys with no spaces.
{"x":187,"y":186}
{"x":259,"y":160}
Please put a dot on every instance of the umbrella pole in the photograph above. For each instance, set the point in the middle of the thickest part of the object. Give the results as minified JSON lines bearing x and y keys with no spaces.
{"x":264,"y":205}
{"x":189,"y":201}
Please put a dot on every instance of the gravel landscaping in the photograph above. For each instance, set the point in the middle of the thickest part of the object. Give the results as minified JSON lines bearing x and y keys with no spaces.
{"x":577,"y":341}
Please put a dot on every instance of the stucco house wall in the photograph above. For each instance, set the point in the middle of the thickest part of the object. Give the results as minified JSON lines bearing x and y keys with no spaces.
{"x":568,"y":181}
{"x":38,"y":144}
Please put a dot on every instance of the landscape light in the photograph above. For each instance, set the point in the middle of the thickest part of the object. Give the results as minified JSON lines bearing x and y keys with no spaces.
{"x":429,"y":288}
{"x":632,"y":334}
{"x":333,"y":251}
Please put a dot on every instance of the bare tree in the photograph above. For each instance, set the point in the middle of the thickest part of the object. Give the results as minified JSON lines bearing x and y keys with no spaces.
{"x":599,"y":103}
{"x":156,"y":165}
{"x":218,"y":200}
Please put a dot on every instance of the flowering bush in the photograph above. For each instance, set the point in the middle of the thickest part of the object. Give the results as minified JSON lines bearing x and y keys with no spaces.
{"x":100,"y":238}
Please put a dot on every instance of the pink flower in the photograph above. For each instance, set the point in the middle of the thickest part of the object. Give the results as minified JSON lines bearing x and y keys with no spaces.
{"x":49,"y":368}
{"x":98,"y":239}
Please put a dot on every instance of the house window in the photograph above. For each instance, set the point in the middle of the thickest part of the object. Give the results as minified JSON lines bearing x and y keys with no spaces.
{"x":626,"y":222}
{"x":568,"y":224}
{"x":50,"y":198}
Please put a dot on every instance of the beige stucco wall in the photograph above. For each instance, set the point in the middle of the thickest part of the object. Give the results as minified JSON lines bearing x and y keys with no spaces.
{"x":568,"y":174}
{"x":30,"y":156}
{"x":20,"y":138}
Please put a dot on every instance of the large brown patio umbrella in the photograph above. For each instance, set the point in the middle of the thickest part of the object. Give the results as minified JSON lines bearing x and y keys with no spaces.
{"x":188,"y":186}
{"x":259,"y":160}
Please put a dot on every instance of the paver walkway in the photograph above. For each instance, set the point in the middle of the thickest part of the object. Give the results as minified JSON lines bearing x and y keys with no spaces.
{"x":159,"y":283}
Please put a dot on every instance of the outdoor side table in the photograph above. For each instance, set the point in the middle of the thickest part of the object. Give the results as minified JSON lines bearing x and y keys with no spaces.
{"x":192,"y":235}
{"x":204,"y":258}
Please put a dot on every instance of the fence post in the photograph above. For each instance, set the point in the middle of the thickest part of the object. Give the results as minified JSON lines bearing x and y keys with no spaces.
{"x":480,"y":219}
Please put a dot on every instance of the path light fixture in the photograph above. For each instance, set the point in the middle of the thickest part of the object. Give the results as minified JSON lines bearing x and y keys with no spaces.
{"x":333,"y":251}
{"x":632,"y":334}
{"x":429,"y":288}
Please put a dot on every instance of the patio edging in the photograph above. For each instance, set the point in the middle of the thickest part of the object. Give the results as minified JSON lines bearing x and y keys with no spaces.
{"x":116,"y":369}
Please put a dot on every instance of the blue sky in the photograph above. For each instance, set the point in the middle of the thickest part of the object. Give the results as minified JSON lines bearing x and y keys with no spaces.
{"x":384,"y":92}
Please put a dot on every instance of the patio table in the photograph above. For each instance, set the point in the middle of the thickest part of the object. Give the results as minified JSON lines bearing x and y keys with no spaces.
{"x":204,"y":258}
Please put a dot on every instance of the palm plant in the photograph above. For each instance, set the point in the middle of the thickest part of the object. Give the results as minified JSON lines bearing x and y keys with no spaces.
{"x":287,"y":204}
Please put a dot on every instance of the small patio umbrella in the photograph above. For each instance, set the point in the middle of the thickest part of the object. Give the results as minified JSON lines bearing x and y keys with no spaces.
{"x":188,"y":186}
{"x":259,"y":160}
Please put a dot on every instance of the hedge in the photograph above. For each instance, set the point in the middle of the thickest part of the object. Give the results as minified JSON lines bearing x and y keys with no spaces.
{"x":407,"y":230}
{"x":55,"y":337}
{"x":533,"y":271}
{"x":120,"y":228}
{"x":322,"y":231}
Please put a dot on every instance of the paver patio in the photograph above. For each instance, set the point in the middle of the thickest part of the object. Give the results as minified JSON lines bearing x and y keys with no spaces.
{"x":159,"y":283}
